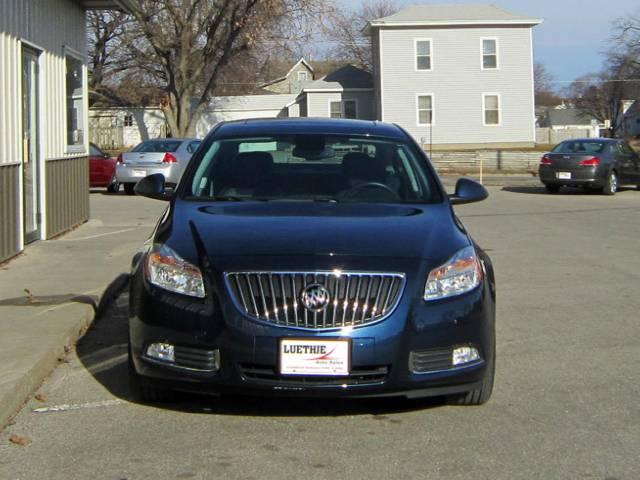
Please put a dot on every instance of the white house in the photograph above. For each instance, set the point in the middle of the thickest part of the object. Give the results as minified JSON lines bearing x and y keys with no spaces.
{"x":293,"y":81}
{"x":44,"y":179}
{"x":345,"y":93}
{"x":117,"y":127}
{"x":630,"y":119}
{"x":456,"y":75}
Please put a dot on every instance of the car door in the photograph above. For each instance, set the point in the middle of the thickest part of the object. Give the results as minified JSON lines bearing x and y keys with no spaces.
{"x":631,"y":163}
{"x":99,"y":169}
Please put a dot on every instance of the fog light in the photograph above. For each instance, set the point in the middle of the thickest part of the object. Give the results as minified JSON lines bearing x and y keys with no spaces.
{"x":462,"y":355}
{"x":161,"y":351}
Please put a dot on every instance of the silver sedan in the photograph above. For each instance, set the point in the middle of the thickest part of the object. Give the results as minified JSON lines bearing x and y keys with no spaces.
{"x":168,"y":156}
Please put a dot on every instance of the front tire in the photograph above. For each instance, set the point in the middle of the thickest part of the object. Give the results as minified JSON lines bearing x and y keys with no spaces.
{"x":480,"y":395}
{"x":129,"y":188}
{"x":611,"y":184}
{"x":143,"y":390}
{"x":114,"y":186}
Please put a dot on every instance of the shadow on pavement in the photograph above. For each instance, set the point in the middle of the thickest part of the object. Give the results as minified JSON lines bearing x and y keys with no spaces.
{"x":540,"y":190}
{"x":31,"y":300}
{"x":103,"y":352}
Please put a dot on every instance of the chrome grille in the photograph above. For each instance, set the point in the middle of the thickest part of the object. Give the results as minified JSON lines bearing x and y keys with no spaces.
{"x":356,"y":298}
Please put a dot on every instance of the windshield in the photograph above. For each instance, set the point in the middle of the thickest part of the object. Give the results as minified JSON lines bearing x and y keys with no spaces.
{"x":158,"y":146}
{"x":579,"y":146}
{"x":314,"y":168}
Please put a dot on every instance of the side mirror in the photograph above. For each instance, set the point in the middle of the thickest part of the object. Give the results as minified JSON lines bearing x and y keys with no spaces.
{"x":468,"y":191}
{"x":152,"y":186}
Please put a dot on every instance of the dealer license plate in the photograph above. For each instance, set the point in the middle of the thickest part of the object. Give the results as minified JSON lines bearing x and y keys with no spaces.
{"x":314,"y":357}
{"x":564,"y":175}
{"x":139,"y":173}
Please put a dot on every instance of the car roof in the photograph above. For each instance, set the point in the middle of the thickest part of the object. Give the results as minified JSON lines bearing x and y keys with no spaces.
{"x":307,"y":125}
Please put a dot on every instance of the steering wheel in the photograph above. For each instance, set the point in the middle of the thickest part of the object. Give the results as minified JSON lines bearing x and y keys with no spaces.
{"x":356,"y":191}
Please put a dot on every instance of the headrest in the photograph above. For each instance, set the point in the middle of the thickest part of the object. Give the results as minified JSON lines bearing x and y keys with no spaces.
{"x":358,"y":165}
{"x":251,"y":168}
{"x":256,"y":163}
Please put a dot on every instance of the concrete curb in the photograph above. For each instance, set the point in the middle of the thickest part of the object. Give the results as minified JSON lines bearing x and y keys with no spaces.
{"x":30,"y":381}
{"x":49,"y":357}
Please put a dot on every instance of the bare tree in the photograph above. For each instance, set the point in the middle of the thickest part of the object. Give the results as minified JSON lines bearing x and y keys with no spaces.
{"x":106,"y":30}
{"x":351,"y":42}
{"x":600,"y":95}
{"x":543,"y":86}
{"x":191,"y":49}
{"x":626,"y":40}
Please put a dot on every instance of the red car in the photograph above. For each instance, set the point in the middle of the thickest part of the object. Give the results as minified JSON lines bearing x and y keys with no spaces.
{"x":102,"y":170}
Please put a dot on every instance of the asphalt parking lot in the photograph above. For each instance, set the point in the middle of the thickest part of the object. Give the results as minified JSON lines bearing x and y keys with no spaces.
{"x":565,"y":404}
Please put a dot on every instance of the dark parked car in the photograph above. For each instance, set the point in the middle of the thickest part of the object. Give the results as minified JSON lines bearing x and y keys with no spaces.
{"x":592,"y":163}
{"x":316,"y":258}
{"x":102,"y":170}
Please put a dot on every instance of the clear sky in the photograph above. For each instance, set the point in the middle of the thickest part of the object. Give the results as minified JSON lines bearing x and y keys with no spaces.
{"x":572,"y":37}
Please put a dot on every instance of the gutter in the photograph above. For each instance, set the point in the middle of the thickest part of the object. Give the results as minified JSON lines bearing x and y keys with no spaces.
{"x":128,"y":5}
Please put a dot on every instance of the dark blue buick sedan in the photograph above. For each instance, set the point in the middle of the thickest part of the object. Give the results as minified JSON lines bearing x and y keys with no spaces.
{"x":312,"y":257}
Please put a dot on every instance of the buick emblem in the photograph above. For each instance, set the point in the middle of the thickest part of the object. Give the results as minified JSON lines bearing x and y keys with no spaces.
{"x":315,"y":297}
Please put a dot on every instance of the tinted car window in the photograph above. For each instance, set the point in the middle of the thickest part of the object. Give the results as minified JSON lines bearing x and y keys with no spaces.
{"x":313,"y":167}
{"x":158,"y":146}
{"x":625,"y":149}
{"x":95,"y":151}
{"x":193,"y":146}
{"x":580,"y":146}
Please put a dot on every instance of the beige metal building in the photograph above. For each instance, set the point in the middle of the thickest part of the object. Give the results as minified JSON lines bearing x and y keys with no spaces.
{"x":43,"y":118}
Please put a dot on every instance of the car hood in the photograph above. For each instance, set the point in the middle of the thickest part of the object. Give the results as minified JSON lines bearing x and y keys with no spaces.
{"x":301,"y":229}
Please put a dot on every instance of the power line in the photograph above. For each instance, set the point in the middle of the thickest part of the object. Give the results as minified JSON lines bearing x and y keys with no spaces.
{"x":614,"y":80}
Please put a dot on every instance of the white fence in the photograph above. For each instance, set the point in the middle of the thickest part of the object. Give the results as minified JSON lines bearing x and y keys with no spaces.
{"x":550,"y":136}
{"x":491,"y":160}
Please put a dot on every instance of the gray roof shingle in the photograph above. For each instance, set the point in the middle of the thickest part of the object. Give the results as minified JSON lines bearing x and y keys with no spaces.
{"x":347,"y":77}
{"x":453,"y":14}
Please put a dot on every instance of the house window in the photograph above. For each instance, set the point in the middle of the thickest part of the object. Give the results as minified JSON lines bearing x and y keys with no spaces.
{"x":491,"y":107}
{"x":75,"y":102}
{"x":343,"y":109}
{"x":335,"y":109}
{"x":349,"y":109}
{"x":425,"y":109}
{"x":302,"y":76}
{"x":128,"y":120}
{"x":423,"y":54}
{"x":489,"y":53}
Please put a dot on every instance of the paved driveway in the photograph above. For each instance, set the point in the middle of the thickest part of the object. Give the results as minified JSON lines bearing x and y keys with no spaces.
{"x":565,"y":404}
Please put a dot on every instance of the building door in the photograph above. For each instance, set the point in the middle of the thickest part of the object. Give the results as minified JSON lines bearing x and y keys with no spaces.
{"x":30,"y":156}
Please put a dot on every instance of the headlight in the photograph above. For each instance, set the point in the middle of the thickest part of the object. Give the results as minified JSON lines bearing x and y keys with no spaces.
{"x":166,"y":269}
{"x":460,"y":274}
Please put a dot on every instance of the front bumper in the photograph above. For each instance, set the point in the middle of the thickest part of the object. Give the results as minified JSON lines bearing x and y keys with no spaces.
{"x":133,"y":173}
{"x":381,"y":360}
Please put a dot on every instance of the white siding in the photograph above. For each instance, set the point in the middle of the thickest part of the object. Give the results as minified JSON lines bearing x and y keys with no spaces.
{"x":51,"y":24}
{"x":49,"y":27}
{"x":318,"y":103}
{"x":212,"y":117}
{"x":457,"y":82}
{"x":10,"y":88}
{"x":147,"y":123}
